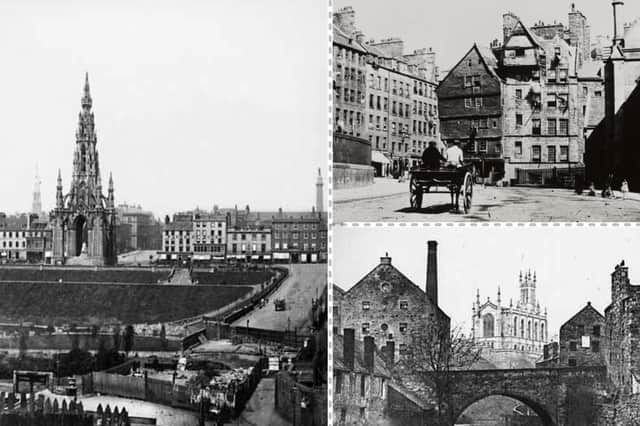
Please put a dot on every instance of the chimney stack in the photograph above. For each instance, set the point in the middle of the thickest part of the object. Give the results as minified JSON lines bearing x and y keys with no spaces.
{"x":618,"y":23}
{"x":385,"y":260}
{"x":369,"y":347}
{"x":432,"y":272}
{"x":390,"y":351}
{"x":349,"y":348}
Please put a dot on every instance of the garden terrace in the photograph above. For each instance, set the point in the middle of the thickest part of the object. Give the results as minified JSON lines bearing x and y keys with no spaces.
{"x":98,"y":303}
{"x":84,"y":275}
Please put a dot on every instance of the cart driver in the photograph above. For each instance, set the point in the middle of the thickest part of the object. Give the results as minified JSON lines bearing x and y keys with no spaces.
{"x":455,"y":157}
{"x":431,"y":157}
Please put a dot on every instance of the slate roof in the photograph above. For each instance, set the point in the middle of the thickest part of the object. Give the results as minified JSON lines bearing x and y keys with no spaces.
{"x":379,"y":367}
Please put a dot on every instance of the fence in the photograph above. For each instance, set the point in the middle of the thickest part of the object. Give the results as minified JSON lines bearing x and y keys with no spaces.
{"x":299,"y":404}
{"x":40,"y":411}
{"x":221,"y":330}
{"x":553,"y":177}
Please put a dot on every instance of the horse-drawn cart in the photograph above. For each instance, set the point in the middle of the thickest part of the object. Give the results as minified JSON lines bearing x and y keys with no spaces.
{"x":459,"y":182}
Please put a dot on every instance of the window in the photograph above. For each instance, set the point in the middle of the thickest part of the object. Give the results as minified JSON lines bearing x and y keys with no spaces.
{"x":402,"y":348}
{"x":404,"y":305}
{"x":384,"y":327}
{"x":518,"y":119}
{"x":573,"y":346}
{"x":563,"y":126}
{"x":596,"y":330}
{"x":518,"y":93}
{"x":535,"y":153}
{"x":468,"y":102}
{"x":362,"y":386}
{"x":403,"y":327}
{"x":338,"y":381}
{"x":365,"y":327}
{"x":598,"y":93}
{"x":518,"y":152}
{"x":551,"y":100}
{"x":564,"y":153}
{"x":535,"y":126}
{"x":595,"y":346}
{"x":551,"y":76}
{"x":572,"y":362}
{"x":482,"y":146}
{"x":476,"y":81}
{"x":519,"y":52}
{"x":478,"y":101}
{"x":551,"y":127}
{"x":563,"y":75}
{"x":580,"y":329}
{"x":551,"y":154}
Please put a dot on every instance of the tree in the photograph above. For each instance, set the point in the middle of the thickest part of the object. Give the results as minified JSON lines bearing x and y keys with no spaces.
{"x":128,"y":339}
{"x":163,"y":338}
{"x":22,"y":343}
{"x":435,"y":352}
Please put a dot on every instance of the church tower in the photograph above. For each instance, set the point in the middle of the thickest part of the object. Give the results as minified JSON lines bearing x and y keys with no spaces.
{"x":84,"y":220}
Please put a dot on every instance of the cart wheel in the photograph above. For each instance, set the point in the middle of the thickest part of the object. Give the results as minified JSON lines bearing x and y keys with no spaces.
{"x":416,"y":194}
{"x":467,"y":193}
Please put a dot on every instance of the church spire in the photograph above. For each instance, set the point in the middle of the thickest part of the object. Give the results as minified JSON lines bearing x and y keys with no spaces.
{"x":110,"y":199}
{"x":86,"y":99}
{"x":59,"y":197}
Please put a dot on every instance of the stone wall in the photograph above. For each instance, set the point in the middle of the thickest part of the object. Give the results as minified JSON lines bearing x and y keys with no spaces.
{"x":351,"y":175}
{"x":582,"y":339}
{"x":299,"y":404}
{"x":351,"y":150}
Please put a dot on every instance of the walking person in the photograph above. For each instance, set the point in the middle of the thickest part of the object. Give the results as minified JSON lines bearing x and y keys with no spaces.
{"x":624,"y":188}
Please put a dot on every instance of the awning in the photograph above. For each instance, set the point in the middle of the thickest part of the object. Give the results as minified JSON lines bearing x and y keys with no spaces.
{"x":218,"y":257}
{"x":378,"y":157}
{"x":48,"y":253}
{"x":281,"y":255}
{"x":201,"y":257}
{"x":162,"y":256}
{"x":266,"y":257}
{"x":174,"y":256}
{"x":255,"y":257}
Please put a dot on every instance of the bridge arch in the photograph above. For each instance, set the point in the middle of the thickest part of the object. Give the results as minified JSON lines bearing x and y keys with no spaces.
{"x":543,"y":412}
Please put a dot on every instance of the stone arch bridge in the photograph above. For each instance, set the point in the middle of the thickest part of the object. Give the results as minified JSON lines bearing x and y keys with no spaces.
{"x":560,"y":396}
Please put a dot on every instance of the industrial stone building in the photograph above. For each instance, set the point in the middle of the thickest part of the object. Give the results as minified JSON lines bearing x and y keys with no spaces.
{"x":519,"y":108}
{"x":384,"y":95}
{"x":388,"y":306}
{"x":582,"y":339}
{"x":511,"y":336}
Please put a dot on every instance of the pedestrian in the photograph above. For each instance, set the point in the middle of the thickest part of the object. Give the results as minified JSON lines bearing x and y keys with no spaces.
{"x":624,"y":188}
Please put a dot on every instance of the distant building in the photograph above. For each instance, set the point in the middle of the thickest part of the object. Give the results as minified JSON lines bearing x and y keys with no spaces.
{"x":24,"y":239}
{"x":248,"y":236}
{"x":299,"y":236}
{"x":144,"y":232}
{"x":504,"y":331}
{"x":209,"y":235}
{"x":582,"y":339}
{"x":388,"y":306}
{"x":550,"y":356}
{"x":177,"y":239}
{"x":84,"y":220}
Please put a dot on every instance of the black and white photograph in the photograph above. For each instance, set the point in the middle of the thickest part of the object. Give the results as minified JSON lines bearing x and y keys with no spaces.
{"x":485,"y":326}
{"x":504,"y":111}
{"x":163,"y":213}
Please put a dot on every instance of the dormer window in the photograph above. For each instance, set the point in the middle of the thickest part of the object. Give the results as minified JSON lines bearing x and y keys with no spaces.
{"x":366,"y":305}
{"x":519,"y":52}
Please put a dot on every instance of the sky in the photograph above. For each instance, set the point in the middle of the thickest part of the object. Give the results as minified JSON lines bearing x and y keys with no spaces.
{"x":451,"y":27}
{"x":196,"y":102}
{"x":573,"y":264}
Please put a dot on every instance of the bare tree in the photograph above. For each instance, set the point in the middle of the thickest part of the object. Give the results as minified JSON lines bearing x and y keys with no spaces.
{"x":435,"y":352}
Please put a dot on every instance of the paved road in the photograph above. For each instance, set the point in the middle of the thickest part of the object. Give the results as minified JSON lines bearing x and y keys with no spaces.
{"x":489,"y":204}
{"x":261,"y":407}
{"x":305,"y":282}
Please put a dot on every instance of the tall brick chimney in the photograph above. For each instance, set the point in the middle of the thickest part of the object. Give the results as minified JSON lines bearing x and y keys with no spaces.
{"x":618,"y":23}
{"x":390,"y":351}
{"x":369,"y":347}
{"x":349,"y":344}
{"x":432,"y":271}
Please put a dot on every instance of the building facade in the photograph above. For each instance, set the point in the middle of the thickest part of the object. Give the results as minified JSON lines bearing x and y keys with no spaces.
{"x":503,"y":330}
{"x":612,"y":153}
{"x":582,"y":339}
{"x":518,"y":108}
{"x":209,"y":235}
{"x":389,"y":307}
{"x":299,"y":237}
{"x":84,"y":220}
{"x":623,"y":332}
{"x":144,"y":232}
{"x":394,"y":102}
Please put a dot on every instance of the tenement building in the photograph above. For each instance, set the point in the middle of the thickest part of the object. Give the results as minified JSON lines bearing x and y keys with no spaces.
{"x":384,"y":95}
{"x":517,"y":107}
{"x":511,"y":336}
{"x":389,"y":307}
{"x":84,"y":220}
{"x":24,"y":238}
{"x":140,"y":229}
{"x":612,"y":152}
{"x":623,"y":331}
